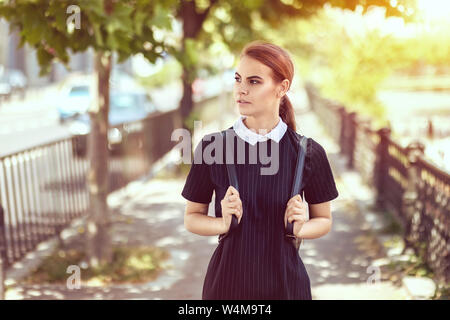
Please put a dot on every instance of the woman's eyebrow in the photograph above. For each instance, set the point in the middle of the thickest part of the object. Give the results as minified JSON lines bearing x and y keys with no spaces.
{"x":250,"y":76}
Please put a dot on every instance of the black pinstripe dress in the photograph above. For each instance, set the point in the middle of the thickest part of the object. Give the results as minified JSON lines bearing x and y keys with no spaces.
{"x":256,"y":261}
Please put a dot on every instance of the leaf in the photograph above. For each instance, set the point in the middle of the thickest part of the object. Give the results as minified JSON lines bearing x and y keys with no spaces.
{"x":98,"y":35}
{"x":191,"y":51}
{"x":111,"y":42}
{"x":139,"y":20}
{"x":161,"y":18}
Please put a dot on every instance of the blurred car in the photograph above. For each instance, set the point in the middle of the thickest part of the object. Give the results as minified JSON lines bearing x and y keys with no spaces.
{"x":125,"y":107}
{"x":12,"y":81}
{"x":5,"y":87}
{"x":76,"y":93}
{"x":17,"y":80}
{"x":75,"y":100}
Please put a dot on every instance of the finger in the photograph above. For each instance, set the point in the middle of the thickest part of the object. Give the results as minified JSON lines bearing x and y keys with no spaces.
{"x":234,"y":191}
{"x":298,"y":218}
{"x":229,"y":191}
{"x":297,"y":204}
{"x":293,"y":204}
{"x":296,"y":213}
{"x":237,"y":213}
{"x":235,"y":201}
{"x":289,"y":216}
{"x":232,"y":199}
{"x":294,"y":218}
{"x":233,"y":205}
{"x":297,"y":210}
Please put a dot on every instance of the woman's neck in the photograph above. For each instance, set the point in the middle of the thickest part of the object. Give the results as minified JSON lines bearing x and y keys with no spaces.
{"x":261,"y":126}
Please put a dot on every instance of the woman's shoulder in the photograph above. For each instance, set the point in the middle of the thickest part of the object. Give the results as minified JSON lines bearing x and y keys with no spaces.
{"x":213,"y":136}
{"x":315,"y":150}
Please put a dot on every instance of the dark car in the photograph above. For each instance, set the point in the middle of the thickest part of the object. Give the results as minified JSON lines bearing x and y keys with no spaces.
{"x":125,"y":108}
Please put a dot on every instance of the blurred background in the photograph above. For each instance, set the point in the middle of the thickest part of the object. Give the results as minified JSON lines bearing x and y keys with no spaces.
{"x":376,"y":75}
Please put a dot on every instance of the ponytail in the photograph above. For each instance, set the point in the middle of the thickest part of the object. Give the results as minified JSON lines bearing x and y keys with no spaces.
{"x":286,"y":112}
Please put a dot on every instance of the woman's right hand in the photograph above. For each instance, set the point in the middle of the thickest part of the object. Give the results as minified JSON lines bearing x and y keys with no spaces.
{"x":231,"y":204}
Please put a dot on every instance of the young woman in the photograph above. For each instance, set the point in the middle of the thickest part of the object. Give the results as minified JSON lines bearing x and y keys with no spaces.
{"x":255,"y":261}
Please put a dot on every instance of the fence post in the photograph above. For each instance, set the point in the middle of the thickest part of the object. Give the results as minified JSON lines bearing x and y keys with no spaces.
{"x":342,"y":113}
{"x":2,"y":254}
{"x":309,"y":88}
{"x":382,"y":165}
{"x":351,"y":139}
{"x":410,"y":196}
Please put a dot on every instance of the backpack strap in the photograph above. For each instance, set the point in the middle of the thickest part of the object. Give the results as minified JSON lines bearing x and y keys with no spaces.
{"x":232,"y":178}
{"x":296,"y":186}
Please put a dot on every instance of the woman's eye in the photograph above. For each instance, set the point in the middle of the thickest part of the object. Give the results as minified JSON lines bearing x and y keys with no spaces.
{"x":254,"y":81}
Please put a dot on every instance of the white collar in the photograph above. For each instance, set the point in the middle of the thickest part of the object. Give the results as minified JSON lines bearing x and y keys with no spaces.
{"x":252,"y":137}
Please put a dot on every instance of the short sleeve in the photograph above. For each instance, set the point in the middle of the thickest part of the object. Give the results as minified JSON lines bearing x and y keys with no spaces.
{"x":320,"y":186}
{"x":198,"y":186}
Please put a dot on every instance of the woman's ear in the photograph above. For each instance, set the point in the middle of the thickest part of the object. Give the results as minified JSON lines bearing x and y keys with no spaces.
{"x":284,"y":88}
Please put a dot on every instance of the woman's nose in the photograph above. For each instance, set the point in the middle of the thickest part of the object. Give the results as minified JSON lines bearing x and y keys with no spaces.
{"x":243,"y":90}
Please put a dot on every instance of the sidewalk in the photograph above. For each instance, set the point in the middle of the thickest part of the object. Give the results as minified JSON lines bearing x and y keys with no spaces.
{"x":150,"y":212}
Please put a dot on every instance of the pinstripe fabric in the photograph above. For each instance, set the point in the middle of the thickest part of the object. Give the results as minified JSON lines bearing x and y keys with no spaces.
{"x":256,"y":261}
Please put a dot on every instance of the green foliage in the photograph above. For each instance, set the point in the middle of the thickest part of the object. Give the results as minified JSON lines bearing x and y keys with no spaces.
{"x":105,"y":25}
{"x":128,"y":26}
{"x":170,"y":72}
{"x":351,"y":64}
{"x":234,"y":23}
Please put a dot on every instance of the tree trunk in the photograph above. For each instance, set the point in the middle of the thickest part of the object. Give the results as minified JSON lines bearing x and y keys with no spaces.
{"x":192,"y":24}
{"x":98,"y":240}
{"x":186,"y":104}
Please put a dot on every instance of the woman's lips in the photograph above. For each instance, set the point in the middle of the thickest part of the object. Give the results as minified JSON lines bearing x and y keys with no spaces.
{"x":242,"y":102}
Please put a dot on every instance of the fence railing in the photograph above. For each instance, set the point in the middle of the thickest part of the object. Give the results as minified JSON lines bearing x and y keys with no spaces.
{"x":42,"y":189}
{"x":414,"y":189}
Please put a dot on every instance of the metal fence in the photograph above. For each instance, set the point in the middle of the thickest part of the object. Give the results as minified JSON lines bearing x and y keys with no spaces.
{"x":406,"y":183}
{"x":42,"y":189}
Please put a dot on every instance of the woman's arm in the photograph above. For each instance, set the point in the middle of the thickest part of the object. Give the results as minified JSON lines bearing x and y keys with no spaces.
{"x":319,"y":223}
{"x":196,"y":220}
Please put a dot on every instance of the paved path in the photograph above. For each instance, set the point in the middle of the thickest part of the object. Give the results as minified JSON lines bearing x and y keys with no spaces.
{"x":151,"y":213}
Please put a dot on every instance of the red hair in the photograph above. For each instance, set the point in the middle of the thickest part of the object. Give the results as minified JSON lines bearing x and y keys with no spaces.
{"x":282,"y":67}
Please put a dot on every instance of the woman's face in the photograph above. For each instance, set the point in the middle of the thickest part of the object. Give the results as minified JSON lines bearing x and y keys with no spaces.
{"x":254,"y":84}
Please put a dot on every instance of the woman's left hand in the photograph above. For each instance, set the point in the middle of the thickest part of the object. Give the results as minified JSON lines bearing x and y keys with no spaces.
{"x":295,"y":212}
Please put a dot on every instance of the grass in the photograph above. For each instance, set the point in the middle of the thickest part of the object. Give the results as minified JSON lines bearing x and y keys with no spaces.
{"x":129,"y":265}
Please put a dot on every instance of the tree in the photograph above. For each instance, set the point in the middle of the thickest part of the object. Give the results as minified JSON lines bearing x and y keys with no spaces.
{"x":52,"y":28}
{"x":350,"y":61}
{"x":236,"y":22}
